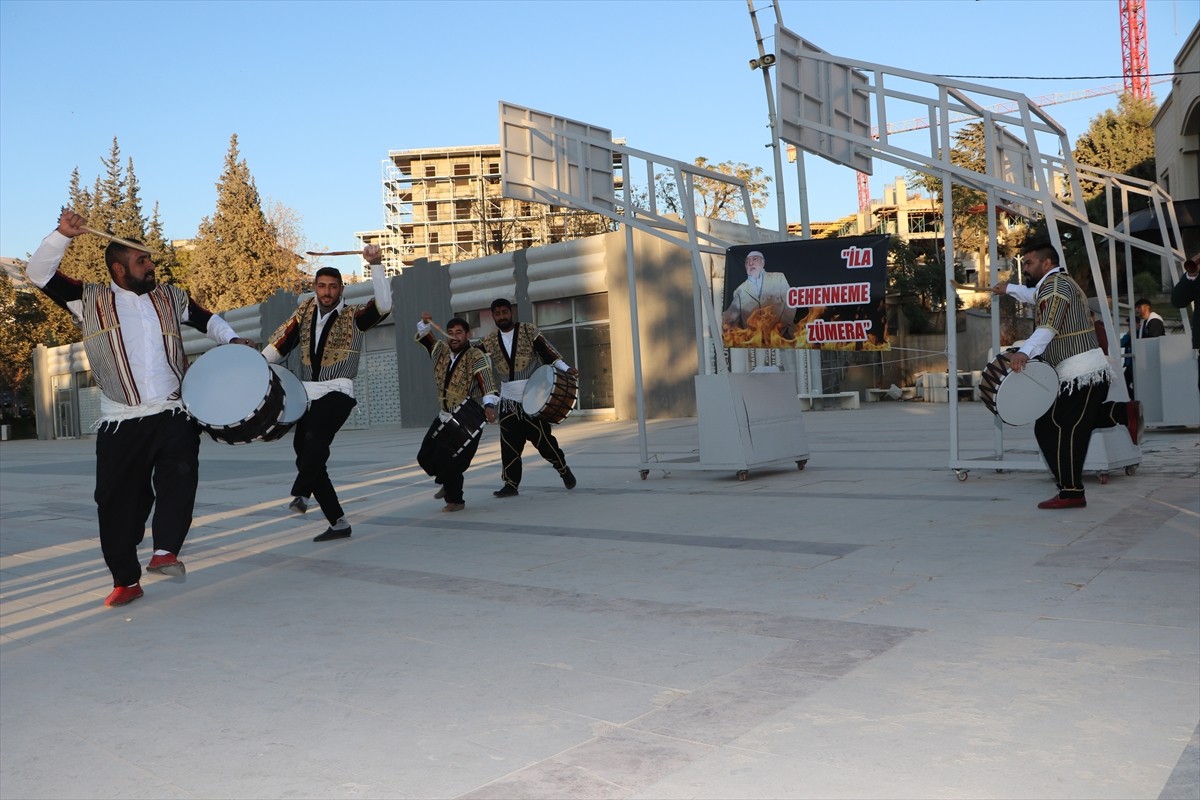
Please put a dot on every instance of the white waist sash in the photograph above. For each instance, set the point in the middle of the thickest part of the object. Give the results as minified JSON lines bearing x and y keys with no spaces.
{"x":513,"y":390}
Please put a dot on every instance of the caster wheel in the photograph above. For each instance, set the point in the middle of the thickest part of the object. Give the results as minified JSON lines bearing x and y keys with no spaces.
{"x":1131,"y":469}
{"x":1103,"y":478}
{"x":742,"y":475}
{"x":800,"y":465}
{"x":644,"y":473}
{"x":962,"y":475}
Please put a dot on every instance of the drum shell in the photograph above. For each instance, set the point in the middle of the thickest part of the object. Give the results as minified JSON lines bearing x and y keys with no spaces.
{"x":550,"y":394}
{"x":295,"y":404}
{"x":447,"y":441}
{"x":232,"y":394}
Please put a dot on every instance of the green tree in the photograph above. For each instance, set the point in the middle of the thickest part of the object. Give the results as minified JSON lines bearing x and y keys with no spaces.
{"x":84,"y":259}
{"x":717,"y":199}
{"x":969,"y":206}
{"x":27,"y":318}
{"x":1119,"y":140}
{"x":162,"y":251}
{"x":917,"y":275}
{"x":237,"y":258}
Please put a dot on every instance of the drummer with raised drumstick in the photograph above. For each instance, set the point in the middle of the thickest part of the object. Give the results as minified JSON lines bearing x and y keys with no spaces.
{"x":330,"y":336}
{"x":517,"y":350}
{"x":1065,"y":338}
{"x":147,"y":448}
{"x":463,"y":379}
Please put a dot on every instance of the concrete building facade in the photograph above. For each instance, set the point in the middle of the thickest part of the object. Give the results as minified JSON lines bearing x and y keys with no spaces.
{"x":1177,"y":141}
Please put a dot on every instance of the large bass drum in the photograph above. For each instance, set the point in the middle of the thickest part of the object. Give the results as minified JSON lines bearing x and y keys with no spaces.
{"x":1018,"y":398}
{"x":550,"y":394}
{"x":447,"y":439}
{"x":295,"y":403}
{"x":233,"y":394}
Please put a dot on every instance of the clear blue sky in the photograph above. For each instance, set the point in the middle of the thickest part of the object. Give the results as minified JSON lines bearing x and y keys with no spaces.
{"x":319,"y":92}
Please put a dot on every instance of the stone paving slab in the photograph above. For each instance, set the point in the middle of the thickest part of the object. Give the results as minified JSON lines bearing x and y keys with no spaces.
{"x":867,"y":627}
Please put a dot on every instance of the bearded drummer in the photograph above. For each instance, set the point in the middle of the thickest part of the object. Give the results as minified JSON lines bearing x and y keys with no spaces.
{"x":1065,"y":338}
{"x":516,"y":351}
{"x":461,"y":374}
{"x":330,"y":335}
{"x":147,"y":448}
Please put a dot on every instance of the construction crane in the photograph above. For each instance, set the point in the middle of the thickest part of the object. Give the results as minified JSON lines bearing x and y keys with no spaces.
{"x":1135,"y":53}
{"x":1135,"y":61}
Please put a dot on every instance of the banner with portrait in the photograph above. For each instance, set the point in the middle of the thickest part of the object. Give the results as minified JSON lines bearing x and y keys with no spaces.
{"x":812,"y":294}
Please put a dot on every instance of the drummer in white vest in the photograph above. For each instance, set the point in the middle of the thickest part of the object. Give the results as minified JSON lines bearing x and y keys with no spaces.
{"x":516,"y":351}
{"x":1065,"y":338}
{"x":147,"y":448}
{"x":329,"y":335}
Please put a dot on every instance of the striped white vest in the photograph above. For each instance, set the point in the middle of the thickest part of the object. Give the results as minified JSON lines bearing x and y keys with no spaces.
{"x":105,"y":347}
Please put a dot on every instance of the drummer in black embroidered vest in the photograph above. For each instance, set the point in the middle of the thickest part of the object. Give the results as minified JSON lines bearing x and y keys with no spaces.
{"x":463,"y":379}
{"x":330,"y":336}
{"x":147,"y":448}
{"x":516,"y":351}
{"x":1065,"y":338}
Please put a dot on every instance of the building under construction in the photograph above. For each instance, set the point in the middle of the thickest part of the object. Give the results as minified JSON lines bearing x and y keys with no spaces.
{"x":444,"y":204}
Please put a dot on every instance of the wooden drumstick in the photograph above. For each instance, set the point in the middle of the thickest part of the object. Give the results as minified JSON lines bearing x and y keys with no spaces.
{"x":119,"y":240}
{"x":334,"y":253}
{"x":427,"y":318}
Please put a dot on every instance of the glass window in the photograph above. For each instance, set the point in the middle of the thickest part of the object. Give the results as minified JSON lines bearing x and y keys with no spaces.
{"x":552,"y":312}
{"x":591,"y":307}
{"x":578,"y":328}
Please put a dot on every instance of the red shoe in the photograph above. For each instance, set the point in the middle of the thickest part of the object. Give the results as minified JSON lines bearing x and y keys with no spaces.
{"x":123,"y":594}
{"x":1135,"y":420}
{"x":166,"y":564}
{"x":1064,"y":502}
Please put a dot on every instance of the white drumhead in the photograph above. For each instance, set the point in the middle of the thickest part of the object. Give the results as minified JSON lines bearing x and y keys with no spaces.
{"x":295,"y":398}
{"x":538,"y":389}
{"x":226,"y":384}
{"x":1024,"y":396}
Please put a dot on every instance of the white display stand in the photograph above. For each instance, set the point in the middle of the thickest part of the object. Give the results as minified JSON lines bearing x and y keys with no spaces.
{"x":746,"y":420}
{"x":1164,"y":374}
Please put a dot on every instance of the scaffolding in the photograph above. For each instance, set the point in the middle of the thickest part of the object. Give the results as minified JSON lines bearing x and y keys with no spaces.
{"x":444,"y":204}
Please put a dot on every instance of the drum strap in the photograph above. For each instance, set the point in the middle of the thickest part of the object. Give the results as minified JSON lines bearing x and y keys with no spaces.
{"x":454,"y":359}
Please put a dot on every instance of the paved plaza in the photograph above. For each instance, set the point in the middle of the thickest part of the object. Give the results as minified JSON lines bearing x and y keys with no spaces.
{"x":869,"y":627}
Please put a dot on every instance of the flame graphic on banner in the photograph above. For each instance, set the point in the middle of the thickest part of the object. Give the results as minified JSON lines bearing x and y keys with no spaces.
{"x":763,"y":329}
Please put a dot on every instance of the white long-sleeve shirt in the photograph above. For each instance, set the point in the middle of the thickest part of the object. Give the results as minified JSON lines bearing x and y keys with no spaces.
{"x":1036,"y":344}
{"x":141,"y":333}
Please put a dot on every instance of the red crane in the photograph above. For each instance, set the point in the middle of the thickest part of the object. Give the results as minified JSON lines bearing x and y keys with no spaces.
{"x":1135,"y":64}
{"x":1135,"y":54}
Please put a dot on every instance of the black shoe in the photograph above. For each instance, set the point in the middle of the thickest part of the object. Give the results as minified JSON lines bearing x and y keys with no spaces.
{"x":298,"y":506}
{"x":440,"y":493}
{"x":330,"y":534}
{"x":569,"y":479}
{"x":507,"y":490}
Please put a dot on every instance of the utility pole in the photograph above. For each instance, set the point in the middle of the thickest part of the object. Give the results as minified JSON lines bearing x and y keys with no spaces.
{"x":763,"y":63}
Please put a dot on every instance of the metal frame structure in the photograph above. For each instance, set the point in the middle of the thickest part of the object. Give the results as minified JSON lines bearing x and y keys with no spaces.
{"x":554,"y":160}
{"x":1028,"y":159}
